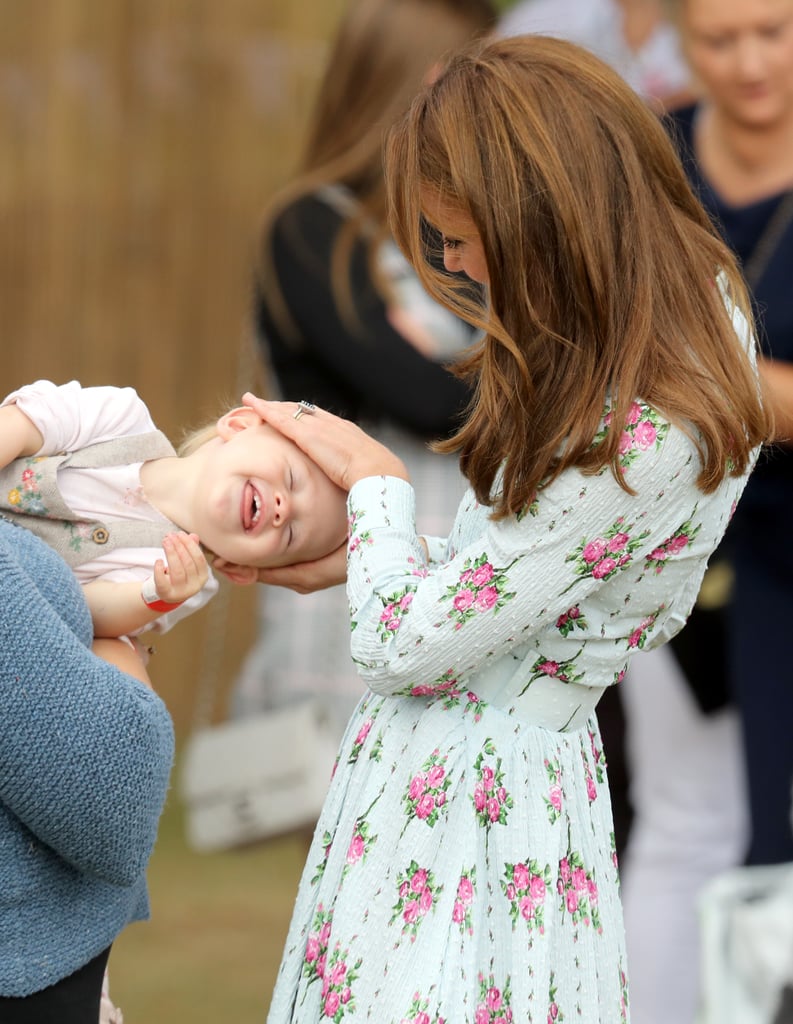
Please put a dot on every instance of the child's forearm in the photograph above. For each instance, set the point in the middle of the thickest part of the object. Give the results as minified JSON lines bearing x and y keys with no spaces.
{"x":121,"y":608}
{"x":118,"y":609}
{"x":18,"y":435}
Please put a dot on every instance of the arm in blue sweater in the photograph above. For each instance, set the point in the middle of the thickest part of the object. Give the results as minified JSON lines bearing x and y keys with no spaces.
{"x":85,"y":750}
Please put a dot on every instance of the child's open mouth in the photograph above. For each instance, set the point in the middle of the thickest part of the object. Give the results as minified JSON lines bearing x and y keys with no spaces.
{"x":251,"y":506}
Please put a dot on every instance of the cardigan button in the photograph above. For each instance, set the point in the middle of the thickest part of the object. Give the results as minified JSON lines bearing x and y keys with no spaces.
{"x":100,"y":535}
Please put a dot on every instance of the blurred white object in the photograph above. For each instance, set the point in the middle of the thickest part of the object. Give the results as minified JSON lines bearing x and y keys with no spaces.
{"x":747,"y":945}
{"x":257,"y":777}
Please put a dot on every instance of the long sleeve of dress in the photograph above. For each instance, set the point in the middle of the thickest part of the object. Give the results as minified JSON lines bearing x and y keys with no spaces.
{"x":587,"y":566}
{"x":362,"y":368}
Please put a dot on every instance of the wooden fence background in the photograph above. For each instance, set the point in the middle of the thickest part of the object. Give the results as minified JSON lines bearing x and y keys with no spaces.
{"x":139,"y":140}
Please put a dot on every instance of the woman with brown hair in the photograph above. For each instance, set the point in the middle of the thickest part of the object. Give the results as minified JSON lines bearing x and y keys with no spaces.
{"x":463,"y":865}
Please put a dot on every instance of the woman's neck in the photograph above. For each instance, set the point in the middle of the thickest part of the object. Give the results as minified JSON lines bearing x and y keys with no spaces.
{"x":744,"y":163}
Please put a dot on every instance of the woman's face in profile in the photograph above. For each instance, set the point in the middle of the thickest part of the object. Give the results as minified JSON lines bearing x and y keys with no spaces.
{"x":741,"y":51}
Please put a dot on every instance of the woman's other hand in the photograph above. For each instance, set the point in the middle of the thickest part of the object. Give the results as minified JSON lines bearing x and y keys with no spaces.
{"x":306,"y":577}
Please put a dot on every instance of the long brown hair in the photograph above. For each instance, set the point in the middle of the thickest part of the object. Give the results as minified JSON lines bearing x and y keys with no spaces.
{"x":607,"y":280}
{"x":382,"y":53}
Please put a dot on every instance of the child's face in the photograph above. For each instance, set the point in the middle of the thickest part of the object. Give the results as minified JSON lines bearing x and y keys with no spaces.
{"x":261,"y":502}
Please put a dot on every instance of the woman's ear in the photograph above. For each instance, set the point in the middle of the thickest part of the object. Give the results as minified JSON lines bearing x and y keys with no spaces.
{"x":243,"y":575}
{"x":237,"y":419}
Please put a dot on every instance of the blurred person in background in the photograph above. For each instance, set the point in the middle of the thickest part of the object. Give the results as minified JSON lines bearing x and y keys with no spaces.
{"x":694,"y":754}
{"x":343,"y":321}
{"x":633,"y":36}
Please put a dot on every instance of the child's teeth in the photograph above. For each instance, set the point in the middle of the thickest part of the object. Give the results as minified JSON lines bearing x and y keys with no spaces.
{"x":257,"y":506}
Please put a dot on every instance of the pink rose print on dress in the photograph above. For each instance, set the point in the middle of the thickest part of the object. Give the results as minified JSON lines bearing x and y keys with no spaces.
{"x":613,"y":851}
{"x":525,"y":886}
{"x":417,"y":894}
{"x":638,"y":638}
{"x":425,"y":798}
{"x":578,"y":894}
{"x":555,"y":1015}
{"x":361,"y":843}
{"x":475,"y":705}
{"x":316,"y":955}
{"x":604,"y":556}
{"x":337,"y":984}
{"x":674,"y":545}
{"x":570,"y":620}
{"x":481,"y":588}
{"x":591,"y":788}
{"x":319,"y":870}
{"x":532,"y":509}
{"x":446,"y":687}
{"x":418,"y":1012}
{"x":419,"y":570}
{"x":550,"y":669}
{"x":361,"y":737}
{"x":554,"y":799}
{"x":491,"y":800}
{"x":395,"y":609}
{"x":623,"y":995}
{"x":493,"y":1007}
{"x":644,"y":430}
{"x":463,"y":901}
{"x":450,"y":691}
{"x":356,"y":539}
{"x":598,"y":757}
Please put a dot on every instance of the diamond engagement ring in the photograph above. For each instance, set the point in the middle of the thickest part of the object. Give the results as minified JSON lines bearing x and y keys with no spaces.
{"x":302,"y":407}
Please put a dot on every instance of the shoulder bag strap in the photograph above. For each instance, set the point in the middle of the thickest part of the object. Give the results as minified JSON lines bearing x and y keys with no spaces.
{"x":768,"y":242}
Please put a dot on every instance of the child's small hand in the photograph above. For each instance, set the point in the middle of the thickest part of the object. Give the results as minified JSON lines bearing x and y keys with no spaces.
{"x":187,"y":570}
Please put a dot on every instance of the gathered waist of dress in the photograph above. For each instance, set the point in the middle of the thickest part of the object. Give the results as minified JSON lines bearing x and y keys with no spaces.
{"x":549,"y":703}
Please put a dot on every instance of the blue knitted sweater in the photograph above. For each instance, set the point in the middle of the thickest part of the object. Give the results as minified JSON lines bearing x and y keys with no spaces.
{"x":85,"y":756}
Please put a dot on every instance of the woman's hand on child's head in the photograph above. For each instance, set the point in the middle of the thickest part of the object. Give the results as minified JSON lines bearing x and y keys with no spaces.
{"x":306,"y":577}
{"x":186,"y":571}
{"x":343,"y":451}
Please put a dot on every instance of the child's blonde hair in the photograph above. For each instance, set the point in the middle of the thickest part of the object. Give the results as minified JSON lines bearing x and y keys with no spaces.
{"x":195,"y":439}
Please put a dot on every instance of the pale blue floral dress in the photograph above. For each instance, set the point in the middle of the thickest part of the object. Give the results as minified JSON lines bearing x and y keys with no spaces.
{"x":463,"y":869}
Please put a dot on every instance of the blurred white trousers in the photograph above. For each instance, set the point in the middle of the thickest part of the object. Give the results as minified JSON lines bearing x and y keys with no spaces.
{"x":688,"y":792}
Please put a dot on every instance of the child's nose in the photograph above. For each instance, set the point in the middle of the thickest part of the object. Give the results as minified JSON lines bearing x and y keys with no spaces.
{"x":282,"y":508}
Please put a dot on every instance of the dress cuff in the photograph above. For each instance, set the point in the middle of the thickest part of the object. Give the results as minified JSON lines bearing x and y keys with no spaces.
{"x":382,"y":501}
